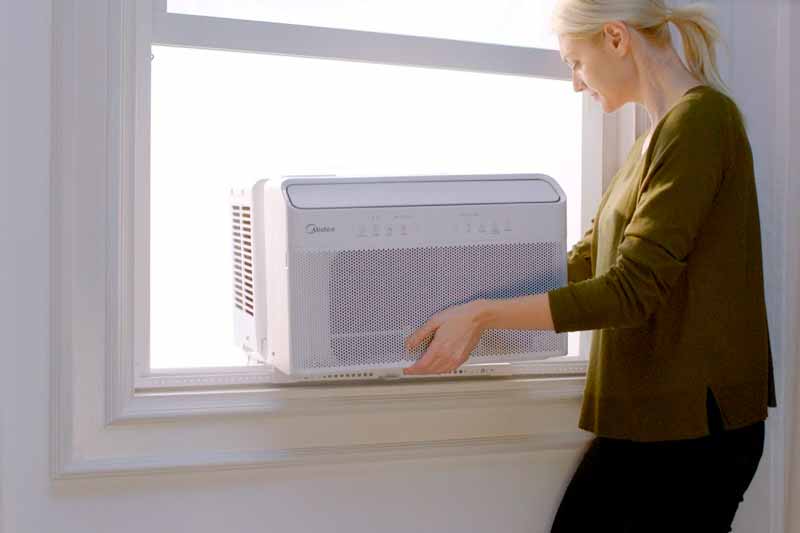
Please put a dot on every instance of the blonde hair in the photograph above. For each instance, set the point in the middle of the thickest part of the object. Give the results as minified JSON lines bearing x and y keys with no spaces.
{"x":700,"y":35}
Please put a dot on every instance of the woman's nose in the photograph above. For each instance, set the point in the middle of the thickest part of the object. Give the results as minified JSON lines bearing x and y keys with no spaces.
{"x":577,"y":83}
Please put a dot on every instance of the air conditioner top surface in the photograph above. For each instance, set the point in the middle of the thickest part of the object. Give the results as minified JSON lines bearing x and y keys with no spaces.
{"x":430,"y":191}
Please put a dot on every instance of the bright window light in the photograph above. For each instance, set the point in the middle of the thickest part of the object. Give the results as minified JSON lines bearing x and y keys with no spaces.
{"x":511,"y":22}
{"x":223,"y":120}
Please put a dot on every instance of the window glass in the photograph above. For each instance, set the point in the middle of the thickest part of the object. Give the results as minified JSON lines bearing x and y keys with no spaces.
{"x":223,"y":120}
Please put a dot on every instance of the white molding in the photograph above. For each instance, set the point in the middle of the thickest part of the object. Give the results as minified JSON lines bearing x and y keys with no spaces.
{"x":605,"y":142}
{"x":778,"y":438}
{"x":99,"y":425}
{"x":620,"y":130}
{"x":596,"y":156}
{"x":118,"y":215}
{"x":264,"y":375}
{"x":130,"y":95}
{"x":784,"y":192}
{"x":351,"y":45}
{"x":308,"y":41}
{"x":305,"y":457}
{"x":784,"y":474}
{"x":63,"y":116}
{"x":128,"y":108}
{"x":304,"y":401}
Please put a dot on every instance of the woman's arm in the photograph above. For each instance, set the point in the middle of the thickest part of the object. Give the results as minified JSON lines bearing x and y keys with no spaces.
{"x":533,"y":311}
{"x":523,"y":312}
{"x":685,"y":171}
{"x":686,"y":166}
{"x":458,"y":329}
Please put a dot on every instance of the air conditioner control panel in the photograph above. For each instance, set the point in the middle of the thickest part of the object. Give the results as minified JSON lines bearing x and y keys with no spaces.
{"x":398,"y":226}
{"x":443,"y":225}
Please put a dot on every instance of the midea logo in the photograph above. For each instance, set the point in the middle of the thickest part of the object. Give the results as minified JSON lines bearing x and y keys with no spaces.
{"x":313,"y":228}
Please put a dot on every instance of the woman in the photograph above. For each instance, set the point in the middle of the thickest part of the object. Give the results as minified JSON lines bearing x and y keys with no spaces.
{"x":670,"y":278}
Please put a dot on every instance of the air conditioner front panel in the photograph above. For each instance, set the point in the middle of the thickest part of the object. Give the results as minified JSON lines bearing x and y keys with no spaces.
{"x":354,"y":308}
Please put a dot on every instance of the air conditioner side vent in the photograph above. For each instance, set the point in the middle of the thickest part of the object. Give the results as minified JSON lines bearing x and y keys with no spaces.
{"x":242,"y":233}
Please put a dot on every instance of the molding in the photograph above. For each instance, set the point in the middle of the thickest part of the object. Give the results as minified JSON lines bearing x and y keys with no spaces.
{"x":352,"y":45}
{"x":132,"y":29}
{"x":126,"y":325}
{"x":784,"y":192}
{"x":93,"y":403}
{"x":785,"y":475}
{"x":336,"y":455}
{"x":62,"y":115}
{"x":228,"y":377}
{"x":331,"y":400}
{"x":620,"y":130}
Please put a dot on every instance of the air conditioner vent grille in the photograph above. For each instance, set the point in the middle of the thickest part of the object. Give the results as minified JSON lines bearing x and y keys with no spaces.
{"x":242,"y":259}
{"x":356,"y":307}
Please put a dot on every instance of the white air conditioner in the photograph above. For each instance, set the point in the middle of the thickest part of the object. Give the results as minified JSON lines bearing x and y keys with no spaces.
{"x":331,"y":274}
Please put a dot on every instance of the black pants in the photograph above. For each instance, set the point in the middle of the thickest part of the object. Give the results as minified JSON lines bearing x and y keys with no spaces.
{"x":681,"y":486}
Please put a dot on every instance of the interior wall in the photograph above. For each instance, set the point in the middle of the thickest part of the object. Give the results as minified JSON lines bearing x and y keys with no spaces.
{"x":5,"y":237}
{"x":752,"y":61}
{"x":792,"y":114}
{"x":25,"y":83}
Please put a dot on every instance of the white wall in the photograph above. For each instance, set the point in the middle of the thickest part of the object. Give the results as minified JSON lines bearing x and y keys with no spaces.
{"x":792,"y":165}
{"x":4,"y":236}
{"x":24,"y":294}
{"x":755,"y":65}
{"x":503,"y":493}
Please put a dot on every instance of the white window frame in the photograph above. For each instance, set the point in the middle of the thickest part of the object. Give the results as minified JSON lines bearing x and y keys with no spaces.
{"x":102,"y":383}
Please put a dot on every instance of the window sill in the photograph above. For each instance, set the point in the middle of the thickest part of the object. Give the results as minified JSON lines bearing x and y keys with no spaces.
{"x":542,"y":382}
{"x":365,"y":423}
{"x":262,"y":375}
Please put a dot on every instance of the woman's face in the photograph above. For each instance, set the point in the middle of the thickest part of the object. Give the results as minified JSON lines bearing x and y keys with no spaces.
{"x":600,"y":66}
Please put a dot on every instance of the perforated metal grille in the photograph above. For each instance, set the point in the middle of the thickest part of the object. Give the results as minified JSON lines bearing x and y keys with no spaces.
{"x":242,"y":258}
{"x":356,"y":307}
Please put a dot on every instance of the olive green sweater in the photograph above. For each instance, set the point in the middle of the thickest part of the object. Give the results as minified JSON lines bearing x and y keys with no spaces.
{"x":670,"y":277}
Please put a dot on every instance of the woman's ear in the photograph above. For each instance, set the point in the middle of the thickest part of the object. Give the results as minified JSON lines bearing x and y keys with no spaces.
{"x":617,"y":37}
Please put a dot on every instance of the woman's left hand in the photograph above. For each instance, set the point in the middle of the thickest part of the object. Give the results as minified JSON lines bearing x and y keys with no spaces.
{"x":456,"y":332}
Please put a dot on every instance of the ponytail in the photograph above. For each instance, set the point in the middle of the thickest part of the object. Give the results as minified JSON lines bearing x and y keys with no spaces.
{"x":700,"y":35}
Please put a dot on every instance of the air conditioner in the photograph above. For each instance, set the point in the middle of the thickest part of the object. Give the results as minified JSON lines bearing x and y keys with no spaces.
{"x":331,"y":274}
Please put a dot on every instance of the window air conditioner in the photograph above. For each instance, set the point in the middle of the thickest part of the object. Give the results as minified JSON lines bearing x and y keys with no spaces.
{"x":331,"y":274}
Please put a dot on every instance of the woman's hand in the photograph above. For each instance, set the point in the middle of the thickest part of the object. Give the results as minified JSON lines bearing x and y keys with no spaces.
{"x":456,"y":331}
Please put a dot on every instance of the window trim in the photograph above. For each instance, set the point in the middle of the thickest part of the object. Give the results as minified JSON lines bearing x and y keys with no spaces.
{"x":154,"y":25}
{"x":175,"y":29}
{"x":100,"y":87}
{"x":171,"y":29}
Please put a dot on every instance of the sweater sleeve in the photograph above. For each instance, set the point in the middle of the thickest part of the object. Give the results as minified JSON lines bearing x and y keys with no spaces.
{"x":686,"y":167}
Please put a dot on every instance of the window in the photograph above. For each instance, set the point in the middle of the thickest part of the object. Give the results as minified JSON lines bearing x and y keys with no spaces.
{"x":222,"y":118}
{"x":105,"y":392}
